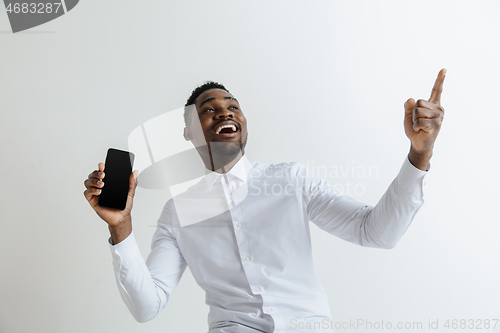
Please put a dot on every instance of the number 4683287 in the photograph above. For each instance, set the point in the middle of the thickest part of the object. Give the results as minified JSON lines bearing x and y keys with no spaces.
{"x":33,"y":8}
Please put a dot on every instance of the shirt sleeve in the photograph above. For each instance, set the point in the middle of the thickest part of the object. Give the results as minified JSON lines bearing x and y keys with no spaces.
{"x":381,"y":226}
{"x":146,"y":286}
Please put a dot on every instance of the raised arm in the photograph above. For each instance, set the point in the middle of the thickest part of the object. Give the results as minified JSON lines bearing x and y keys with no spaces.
{"x":145,"y":286}
{"x":384,"y":224}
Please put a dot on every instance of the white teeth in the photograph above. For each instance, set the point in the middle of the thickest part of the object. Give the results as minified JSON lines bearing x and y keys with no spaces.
{"x":225,"y":126}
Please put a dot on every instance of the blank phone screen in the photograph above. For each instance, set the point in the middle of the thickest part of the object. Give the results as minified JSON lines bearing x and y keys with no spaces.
{"x":117,"y":170}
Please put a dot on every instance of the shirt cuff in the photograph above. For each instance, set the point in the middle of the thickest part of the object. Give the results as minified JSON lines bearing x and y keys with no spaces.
{"x":126,"y":250}
{"x":411,"y":178}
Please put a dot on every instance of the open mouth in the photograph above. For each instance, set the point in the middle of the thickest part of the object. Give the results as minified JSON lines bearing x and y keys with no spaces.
{"x":226,"y":130}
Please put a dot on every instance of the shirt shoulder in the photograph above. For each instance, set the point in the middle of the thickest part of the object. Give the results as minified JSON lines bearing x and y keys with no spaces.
{"x":167,"y":213}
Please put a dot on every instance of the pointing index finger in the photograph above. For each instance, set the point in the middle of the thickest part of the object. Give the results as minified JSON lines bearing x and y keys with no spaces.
{"x":438,"y":88}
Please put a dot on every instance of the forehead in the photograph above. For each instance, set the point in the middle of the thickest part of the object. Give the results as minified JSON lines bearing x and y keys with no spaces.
{"x":212,"y":93}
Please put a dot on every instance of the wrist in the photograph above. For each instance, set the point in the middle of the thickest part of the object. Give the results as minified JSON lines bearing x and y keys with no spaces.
{"x":420,"y":160}
{"x":121,"y":230}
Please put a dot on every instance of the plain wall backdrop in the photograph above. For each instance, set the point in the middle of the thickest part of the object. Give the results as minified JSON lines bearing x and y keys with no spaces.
{"x":321,"y":82}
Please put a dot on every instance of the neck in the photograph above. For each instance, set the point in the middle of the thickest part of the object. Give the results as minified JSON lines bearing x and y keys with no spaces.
{"x":224,"y":165}
{"x":221,"y":164}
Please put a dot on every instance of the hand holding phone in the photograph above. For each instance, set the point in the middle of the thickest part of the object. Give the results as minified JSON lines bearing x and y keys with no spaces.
{"x":112,"y":202}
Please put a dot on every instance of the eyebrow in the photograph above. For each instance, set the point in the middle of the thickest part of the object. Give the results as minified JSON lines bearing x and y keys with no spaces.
{"x":213,"y":99}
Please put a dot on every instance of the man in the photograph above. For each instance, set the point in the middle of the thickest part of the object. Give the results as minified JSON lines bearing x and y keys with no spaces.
{"x":243,"y":229}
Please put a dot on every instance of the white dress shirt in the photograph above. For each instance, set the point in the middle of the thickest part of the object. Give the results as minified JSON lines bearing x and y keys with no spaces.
{"x":251,"y":251}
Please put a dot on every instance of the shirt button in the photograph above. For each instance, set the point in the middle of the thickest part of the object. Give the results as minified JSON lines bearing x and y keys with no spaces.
{"x":247,"y":258}
{"x":257,"y":289}
{"x":238,"y":225}
{"x":425,"y":182}
{"x":231,"y":197}
{"x":267,"y":310}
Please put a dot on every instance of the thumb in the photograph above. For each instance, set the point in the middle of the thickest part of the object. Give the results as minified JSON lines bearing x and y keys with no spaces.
{"x":409,"y":105}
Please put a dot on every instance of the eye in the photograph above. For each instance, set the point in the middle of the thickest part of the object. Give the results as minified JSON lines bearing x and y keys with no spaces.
{"x":209,"y":109}
{"x":234,"y":107}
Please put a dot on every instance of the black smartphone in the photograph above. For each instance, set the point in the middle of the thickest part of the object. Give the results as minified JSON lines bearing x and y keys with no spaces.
{"x":116,"y":179}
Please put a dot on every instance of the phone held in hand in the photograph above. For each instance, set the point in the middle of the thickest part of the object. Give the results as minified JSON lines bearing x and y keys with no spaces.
{"x":118,"y":167}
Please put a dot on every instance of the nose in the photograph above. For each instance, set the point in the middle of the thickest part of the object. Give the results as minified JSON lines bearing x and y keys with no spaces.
{"x":225,"y":114}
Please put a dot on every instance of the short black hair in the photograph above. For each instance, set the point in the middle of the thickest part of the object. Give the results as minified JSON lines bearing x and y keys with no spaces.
{"x":197,"y":92}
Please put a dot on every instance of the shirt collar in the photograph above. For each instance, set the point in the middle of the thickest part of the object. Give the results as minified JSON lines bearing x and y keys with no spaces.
{"x":239,"y":170}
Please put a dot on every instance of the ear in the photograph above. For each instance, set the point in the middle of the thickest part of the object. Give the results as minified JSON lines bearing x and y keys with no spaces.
{"x":187,"y":134}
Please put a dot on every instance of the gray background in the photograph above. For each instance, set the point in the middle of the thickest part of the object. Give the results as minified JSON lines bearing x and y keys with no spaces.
{"x":321,"y":82}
